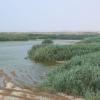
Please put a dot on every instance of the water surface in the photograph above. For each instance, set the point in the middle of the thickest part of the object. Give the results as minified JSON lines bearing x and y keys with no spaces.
{"x":14,"y":64}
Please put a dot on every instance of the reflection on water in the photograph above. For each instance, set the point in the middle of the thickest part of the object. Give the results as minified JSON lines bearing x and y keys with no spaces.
{"x":14,"y":64}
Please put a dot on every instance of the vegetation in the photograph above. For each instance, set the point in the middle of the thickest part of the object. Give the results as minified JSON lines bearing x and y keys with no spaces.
{"x":13,"y":36}
{"x":47,"y":41}
{"x":80,"y":75}
{"x":92,"y":96}
{"x":53,"y":53}
{"x":94,"y":39}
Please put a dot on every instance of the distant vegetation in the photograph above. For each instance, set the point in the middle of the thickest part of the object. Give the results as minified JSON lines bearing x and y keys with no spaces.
{"x":79,"y":75}
{"x":13,"y":37}
{"x":94,"y":39}
{"x":47,"y":41}
{"x":30,"y":36}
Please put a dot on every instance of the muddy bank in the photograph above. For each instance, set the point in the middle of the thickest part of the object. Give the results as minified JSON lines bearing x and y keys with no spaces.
{"x":12,"y":92}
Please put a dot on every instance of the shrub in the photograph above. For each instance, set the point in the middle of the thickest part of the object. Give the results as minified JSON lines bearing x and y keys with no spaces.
{"x":47,"y":41}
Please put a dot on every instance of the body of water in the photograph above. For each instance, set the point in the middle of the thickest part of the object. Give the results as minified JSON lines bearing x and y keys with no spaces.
{"x":19,"y":69}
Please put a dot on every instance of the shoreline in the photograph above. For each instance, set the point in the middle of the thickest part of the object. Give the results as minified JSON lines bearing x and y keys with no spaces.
{"x":12,"y":92}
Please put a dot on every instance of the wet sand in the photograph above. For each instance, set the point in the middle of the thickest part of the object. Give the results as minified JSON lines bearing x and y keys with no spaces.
{"x":12,"y":92}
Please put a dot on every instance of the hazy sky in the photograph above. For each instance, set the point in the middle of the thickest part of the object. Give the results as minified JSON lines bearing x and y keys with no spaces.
{"x":49,"y":15}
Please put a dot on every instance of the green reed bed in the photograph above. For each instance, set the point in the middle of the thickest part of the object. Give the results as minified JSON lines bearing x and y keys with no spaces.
{"x":79,"y":75}
{"x":53,"y":53}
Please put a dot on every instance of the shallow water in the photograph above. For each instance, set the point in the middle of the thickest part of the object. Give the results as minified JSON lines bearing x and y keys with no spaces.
{"x":65,"y":42}
{"x":14,"y":64}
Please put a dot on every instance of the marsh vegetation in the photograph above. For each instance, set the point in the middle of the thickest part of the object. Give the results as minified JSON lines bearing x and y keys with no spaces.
{"x":47,"y":41}
{"x":79,"y":75}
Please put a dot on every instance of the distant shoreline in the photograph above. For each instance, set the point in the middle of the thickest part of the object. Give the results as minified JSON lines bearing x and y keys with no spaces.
{"x":48,"y":33}
{"x":24,"y":36}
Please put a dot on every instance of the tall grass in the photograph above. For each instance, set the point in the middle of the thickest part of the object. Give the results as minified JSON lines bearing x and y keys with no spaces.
{"x":77,"y":76}
{"x":53,"y":53}
{"x":80,"y":75}
{"x":92,"y":96}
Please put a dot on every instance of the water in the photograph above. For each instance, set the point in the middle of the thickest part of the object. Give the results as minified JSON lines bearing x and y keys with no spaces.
{"x":12,"y":60}
{"x":65,"y":42}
